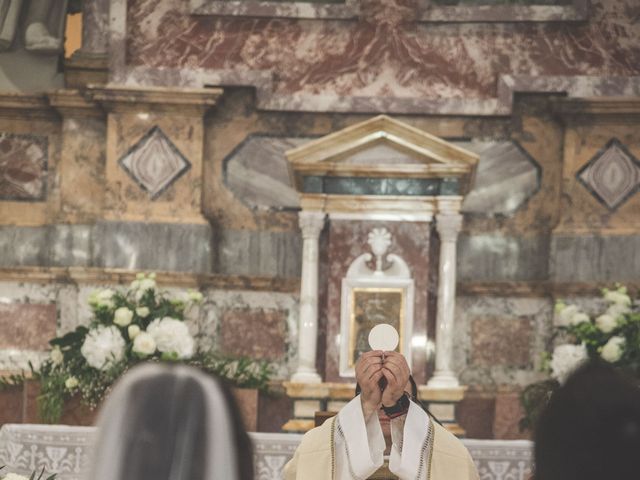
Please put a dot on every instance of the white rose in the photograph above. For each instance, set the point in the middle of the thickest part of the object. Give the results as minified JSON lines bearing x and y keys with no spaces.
{"x":56,"y":356}
{"x":144,"y":344}
{"x":140,"y":276}
{"x":14,"y":476}
{"x":618,"y":298}
{"x":122,"y":316}
{"x":172,"y":336}
{"x":612,"y":350}
{"x":606,"y":323}
{"x":103,"y":347}
{"x":142,"y":312}
{"x":102,"y":298}
{"x":569,"y":315}
{"x":617,"y":310}
{"x":566,"y":358}
{"x":146,"y":284}
{"x":133,"y":331}
{"x":71,"y":383}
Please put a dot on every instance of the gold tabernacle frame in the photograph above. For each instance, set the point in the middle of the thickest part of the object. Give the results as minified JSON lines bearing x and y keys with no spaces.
{"x":390,"y":309}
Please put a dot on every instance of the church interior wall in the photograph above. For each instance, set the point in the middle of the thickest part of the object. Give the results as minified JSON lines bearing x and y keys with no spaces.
{"x":71,"y":218}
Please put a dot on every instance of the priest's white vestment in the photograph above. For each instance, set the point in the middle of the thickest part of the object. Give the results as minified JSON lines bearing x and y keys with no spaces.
{"x":346,"y":447}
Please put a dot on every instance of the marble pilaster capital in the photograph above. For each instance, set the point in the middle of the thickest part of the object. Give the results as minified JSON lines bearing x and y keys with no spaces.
{"x":311,"y":223}
{"x":73,"y":103}
{"x":184,"y":101}
{"x":449,"y":204}
{"x":448,"y":226}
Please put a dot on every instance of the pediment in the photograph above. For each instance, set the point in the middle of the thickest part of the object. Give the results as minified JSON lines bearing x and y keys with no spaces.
{"x":380,"y":148}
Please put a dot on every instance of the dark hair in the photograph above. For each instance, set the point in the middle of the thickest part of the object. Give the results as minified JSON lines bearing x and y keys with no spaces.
{"x":590,"y":428}
{"x":414,"y":389}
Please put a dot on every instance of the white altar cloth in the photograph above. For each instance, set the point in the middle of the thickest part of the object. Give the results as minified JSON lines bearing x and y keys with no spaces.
{"x":65,"y":450}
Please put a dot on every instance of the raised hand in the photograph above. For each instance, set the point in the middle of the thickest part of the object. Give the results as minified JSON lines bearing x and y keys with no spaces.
{"x":368,"y":374}
{"x":396,"y":371}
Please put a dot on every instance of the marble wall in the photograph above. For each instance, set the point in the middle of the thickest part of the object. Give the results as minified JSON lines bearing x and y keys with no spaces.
{"x":391,"y":56}
{"x":177,"y":165}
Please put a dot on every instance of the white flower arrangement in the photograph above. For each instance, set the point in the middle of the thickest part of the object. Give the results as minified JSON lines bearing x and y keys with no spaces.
{"x":139,"y":324}
{"x":612,"y":336}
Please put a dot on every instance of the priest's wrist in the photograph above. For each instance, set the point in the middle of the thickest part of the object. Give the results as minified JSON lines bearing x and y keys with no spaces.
{"x":401,"y":407}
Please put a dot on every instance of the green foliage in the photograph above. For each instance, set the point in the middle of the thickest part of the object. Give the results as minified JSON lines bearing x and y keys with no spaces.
{"x":68,"y":373}
{"x":242,"y":372}
{"x":618,"y":327}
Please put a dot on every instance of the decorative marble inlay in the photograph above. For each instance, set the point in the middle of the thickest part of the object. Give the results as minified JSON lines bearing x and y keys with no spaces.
{"x":507,"y":176}
{"x":257,"y":173}
{"x":612,"y":175}
{"x":23,"y":167}
{"x":155,"y":162}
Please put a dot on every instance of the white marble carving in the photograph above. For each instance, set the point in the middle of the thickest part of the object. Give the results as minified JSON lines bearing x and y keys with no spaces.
{"x":390,"y":273}
{"x":154,"y":162}
{"x":66,"y":451}
{"x":311,"y":224}
{"x":612,"y":176}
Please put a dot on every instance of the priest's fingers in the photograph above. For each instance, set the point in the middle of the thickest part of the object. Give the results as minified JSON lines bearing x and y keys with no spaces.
{"x":397,"y":359}
{"x":399,"y":368}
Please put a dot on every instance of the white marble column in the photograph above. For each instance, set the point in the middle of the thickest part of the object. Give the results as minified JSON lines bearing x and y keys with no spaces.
{"x":311,"y":223}
{"x":448,"y":223}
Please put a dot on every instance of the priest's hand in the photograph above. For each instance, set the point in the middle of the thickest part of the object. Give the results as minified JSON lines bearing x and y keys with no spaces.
{"x":368,"y":374}
{"x":396,"y":371}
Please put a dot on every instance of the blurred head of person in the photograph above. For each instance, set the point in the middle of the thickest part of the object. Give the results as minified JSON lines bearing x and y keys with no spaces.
{"x":590,"y":428}
{"x":171,"y":422}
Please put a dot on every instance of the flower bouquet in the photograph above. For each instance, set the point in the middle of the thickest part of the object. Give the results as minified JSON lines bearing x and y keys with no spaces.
{"x":139,"y":324}
{"x":15,"y":476}
{"x":612,"y":336}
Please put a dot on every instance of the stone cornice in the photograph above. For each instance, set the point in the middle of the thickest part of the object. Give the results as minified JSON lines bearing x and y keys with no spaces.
{"x":585,"y":109}
{"x":157,"y":99}
{"x":80,"y":275}
{"x":26,"y":106}
{"x":74,"y":103}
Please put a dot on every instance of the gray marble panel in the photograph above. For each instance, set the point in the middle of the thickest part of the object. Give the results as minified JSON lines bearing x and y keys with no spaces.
{"x":260,"y":253}
{"x":143,"y":246}
{"x":69,"y":245}
{"x":495,"y":257}
{"x":595,"y":258}
{"x":135,"y":246}
{"x":23,"y":246}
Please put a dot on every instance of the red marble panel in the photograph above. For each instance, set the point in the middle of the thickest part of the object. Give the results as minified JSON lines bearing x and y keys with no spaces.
{"x":501,"y":341}
{"x":475,"y":413}
{"x":27,"y":326}
{"x":23,"y":167}
{"x":384,"y":54}
{"x":255,"y":333}
{"x":274,"y":410}
{"x":11,"y":405}
{"x":346,"y":241}
{"x":508,"y":414}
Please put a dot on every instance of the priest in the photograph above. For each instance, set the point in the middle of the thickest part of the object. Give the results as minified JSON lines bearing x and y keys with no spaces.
{"x":381,"y":434}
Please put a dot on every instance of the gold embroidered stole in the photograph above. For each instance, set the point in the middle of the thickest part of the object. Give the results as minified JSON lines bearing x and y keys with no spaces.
{"x":383,"y":473}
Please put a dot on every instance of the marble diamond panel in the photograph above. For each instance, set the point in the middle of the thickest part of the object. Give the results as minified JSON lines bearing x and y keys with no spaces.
{"x":155,"y":162}
{"x":507,"y":176}
{"x":23,"y":167}
{"x":612,"y":175}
